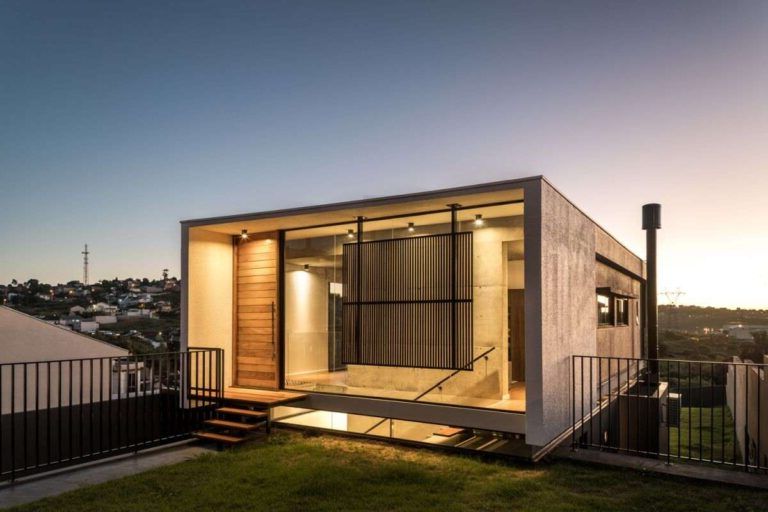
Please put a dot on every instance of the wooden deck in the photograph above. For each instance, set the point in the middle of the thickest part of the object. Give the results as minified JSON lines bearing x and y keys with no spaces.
{"x":260,"y":397}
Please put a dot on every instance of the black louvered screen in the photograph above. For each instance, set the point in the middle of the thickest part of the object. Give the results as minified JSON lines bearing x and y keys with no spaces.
{"x":403,"y":305}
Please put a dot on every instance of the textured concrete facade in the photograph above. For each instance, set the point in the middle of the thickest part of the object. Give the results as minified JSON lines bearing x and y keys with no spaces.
{"x":620,"y":340}
{"x":568,"y":312}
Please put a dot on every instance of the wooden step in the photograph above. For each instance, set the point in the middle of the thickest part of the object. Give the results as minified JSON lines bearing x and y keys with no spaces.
{"x":450,"y":431}
{"x":232,"y":425}
{"x":243,"y":412}
{"x":219,"y":438}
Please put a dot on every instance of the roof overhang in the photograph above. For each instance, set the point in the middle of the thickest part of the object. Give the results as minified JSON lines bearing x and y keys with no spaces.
{"x":347,"y":212}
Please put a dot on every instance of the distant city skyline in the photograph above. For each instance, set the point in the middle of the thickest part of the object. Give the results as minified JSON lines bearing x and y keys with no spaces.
{"x":119,"y":120}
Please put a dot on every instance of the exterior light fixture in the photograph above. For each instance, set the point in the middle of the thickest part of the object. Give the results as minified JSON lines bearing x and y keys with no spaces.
{"x":411,"y":227}
{"x":244,"y":234}
{"x":479,"y":222}
{"x":350,"y":233}
{"x":306,"y":267}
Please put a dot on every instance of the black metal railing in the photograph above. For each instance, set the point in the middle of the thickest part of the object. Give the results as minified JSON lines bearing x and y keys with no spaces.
{"x":693,"y":411}
{"x":60,"y":412}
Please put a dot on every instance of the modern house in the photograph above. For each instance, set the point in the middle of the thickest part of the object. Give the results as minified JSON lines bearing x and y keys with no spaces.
{"x":445,"y":311}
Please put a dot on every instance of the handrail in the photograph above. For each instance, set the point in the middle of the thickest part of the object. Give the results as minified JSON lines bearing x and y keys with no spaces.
{"x":439,"y":383}
{"x":663,"y":360}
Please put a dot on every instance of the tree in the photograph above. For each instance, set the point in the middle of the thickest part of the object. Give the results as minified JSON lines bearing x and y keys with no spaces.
{"x":33,"y":285}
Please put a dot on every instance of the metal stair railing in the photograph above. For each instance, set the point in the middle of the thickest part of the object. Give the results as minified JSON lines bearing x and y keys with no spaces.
{"x":438,"y":384}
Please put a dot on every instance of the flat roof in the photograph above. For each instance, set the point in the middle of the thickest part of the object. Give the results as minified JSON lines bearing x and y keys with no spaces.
{"x":346,"y":209}
{"x":495,"y":186}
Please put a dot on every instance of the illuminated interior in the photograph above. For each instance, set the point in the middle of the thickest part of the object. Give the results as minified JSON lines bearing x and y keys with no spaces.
{"x":314,"y":294}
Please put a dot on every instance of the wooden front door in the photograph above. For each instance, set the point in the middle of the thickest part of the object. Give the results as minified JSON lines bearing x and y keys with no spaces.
{"x":256,"y":360}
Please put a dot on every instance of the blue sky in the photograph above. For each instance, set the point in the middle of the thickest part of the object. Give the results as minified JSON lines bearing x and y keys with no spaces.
{"x":117,"y":120}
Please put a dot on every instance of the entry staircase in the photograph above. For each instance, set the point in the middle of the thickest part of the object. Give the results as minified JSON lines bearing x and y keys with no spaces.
{"x":233,"y":425}
{"x":241,"y":415}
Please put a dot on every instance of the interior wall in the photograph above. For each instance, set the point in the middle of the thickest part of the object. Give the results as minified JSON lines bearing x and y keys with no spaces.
{"x":306,"y":322}
{"x":207,"y":315}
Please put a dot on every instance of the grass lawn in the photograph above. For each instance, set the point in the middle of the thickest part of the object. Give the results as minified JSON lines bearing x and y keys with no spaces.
{"x":705,"y":433}
{"x":292,"y":471}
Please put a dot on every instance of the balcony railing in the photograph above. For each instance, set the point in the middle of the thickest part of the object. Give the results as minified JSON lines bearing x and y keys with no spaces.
{"x":674,"y":410}
{"x":63,"y":412}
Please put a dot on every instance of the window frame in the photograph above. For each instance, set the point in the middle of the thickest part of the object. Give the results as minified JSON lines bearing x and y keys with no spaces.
{"x":621,"y":315}
{"x":611,"y":310}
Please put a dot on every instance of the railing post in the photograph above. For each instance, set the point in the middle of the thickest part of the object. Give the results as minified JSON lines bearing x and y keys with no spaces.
{"x":573,"y":403}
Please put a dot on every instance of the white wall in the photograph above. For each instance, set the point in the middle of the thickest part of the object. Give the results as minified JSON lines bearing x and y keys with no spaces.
{"x":207,"y":305}
{"x":306,"y":322}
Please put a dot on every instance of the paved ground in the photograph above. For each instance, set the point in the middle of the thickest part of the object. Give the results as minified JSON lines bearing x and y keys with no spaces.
{"x":51,"y":484}
{"x":699,"y":472}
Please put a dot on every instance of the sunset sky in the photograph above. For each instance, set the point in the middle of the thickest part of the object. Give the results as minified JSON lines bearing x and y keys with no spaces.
{"x":117,"y":120}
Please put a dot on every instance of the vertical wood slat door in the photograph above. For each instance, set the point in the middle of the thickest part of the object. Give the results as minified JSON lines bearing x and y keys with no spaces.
{"x":256,"y":294}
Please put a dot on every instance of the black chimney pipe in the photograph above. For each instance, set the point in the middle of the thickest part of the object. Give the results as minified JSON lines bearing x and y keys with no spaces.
{"x":651,"y":222}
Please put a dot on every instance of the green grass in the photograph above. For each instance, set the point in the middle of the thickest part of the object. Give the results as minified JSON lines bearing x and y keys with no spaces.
{"x":704,"y":433}
{"x":292,"y":471}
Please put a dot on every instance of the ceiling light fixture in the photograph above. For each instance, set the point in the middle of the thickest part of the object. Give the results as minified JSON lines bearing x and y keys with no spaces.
{"x":350,"y":233}
{"x":244,"y":234}
{"x":306,"y":267}
{"x":411,"y":227}
{"x":479,"y":222}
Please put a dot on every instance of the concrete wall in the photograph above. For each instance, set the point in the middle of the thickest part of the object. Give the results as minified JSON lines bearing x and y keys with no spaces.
{"x":749,"y":419}
{"x":567,"y":325}
{"x":207,"y":306}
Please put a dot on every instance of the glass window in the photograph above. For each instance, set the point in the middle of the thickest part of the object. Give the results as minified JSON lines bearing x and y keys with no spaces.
{"x":315,"y":298}
{"x":622,"y":311}
{"x":604,"y":315}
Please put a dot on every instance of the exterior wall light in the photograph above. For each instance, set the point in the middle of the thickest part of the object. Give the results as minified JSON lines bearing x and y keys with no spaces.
{"x":479,"y":222}
{"x":411,"y":227}
{"x":350,"y":233}
{"x":244,"y":234}
{"x":306,"y":267}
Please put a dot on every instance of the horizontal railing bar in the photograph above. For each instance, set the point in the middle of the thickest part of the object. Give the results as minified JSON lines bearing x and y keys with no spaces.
{"x":134,"y":356}
{"x":684,"y":361}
